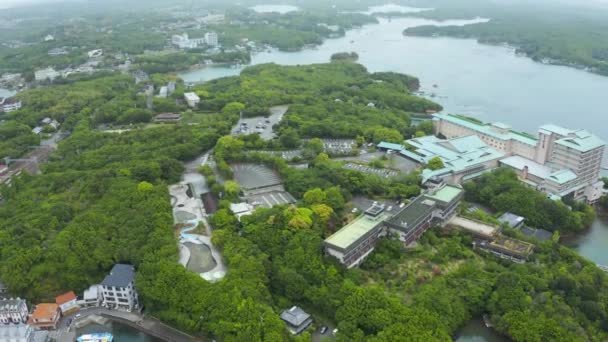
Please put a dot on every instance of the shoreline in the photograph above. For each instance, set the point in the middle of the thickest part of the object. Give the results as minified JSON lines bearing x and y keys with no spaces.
{"x":145,"y":324}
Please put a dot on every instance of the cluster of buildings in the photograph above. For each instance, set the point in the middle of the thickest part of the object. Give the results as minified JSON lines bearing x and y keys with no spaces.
{"x":351,"y":244}
{"x":166,"y":90}
{"x":488,"y":237}
{"x":52,"y":123}
{"x":50,"y":73}
{"x":18,"y":324}
{"x":183,"y":41}
{"x":9,"y":104}
{"x":558,"y":161}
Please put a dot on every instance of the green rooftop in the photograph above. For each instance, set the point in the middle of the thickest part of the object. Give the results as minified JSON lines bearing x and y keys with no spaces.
{"x":484,"y":128}
{"x":445,"y":194}
{"x":355,"y":230}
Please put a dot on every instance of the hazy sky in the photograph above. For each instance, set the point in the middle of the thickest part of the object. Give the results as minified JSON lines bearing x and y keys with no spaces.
{"x":15,"y":3}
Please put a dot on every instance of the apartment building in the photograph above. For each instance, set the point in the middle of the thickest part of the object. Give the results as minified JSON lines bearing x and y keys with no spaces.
{"x":118,"y":289}
{"x":13,"y":311}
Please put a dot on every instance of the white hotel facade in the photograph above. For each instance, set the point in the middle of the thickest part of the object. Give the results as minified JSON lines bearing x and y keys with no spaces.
{"x":558,"y":161}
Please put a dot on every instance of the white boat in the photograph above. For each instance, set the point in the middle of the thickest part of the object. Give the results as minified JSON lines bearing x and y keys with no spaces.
{"x":96,"y":337}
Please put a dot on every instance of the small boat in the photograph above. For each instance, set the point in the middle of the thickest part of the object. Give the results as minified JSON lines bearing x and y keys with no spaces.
{"x":487,"y":322}
{"x":96,"y":337}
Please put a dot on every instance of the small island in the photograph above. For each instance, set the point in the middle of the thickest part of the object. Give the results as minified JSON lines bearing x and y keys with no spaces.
{"x":344,"y":57}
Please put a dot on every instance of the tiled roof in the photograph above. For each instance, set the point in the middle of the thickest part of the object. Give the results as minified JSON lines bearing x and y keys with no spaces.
{"x":45,"y":311}
{"x":120,"y":276}
{"x":294,"y":316}
{"x":64,"y":298}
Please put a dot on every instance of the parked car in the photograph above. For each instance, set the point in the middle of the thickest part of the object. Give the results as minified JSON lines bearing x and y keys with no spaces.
{"x":323,"y":330}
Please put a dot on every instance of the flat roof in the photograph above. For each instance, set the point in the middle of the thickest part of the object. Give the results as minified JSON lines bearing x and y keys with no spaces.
{"x":511,"y":219}
{"x":390,"y":146}
{"x":534,"y":168}
{"x":583,"y":142}
{"x":562,"y":176}
{"x":355,"y":230}
{"x":446,"y":194}
{"x":487,"y":129}
{"x":458,"y":154}
{"x":474,"y":226}
{"x":409,"y":217}
{"x":518,"y":247}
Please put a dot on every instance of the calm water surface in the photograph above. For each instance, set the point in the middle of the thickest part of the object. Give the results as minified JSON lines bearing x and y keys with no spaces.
{"x":122,"y":333}
{"x":476,"y":331}
{"x":275,"y":8}
{"x":488,"y":82}
{"x":6,"y":92}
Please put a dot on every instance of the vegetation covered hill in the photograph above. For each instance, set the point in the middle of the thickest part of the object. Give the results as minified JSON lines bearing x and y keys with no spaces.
{"x":555,"y":32}
{"x":339,"y":100}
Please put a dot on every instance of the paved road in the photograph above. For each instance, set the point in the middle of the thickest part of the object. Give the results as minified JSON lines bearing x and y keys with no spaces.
{"x":31,"y":162}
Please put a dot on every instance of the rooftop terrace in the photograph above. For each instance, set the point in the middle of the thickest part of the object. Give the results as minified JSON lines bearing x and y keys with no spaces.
{"x":355,"y":230}
{"x":513,"y":246}
{"x":446,"y":194}
{"x":409,"y":217}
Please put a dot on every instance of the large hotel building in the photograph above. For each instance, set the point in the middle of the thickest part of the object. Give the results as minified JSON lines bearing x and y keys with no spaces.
{"x":558,"y":161}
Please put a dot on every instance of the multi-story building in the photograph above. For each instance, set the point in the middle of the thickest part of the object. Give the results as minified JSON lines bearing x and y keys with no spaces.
{"x":463,"y":157}
{"x":559,"y":161}
{"x":354,"y":242}
{"x":211,"y":39}
{"x":182,"y":41}
{"x":45,"y":316}
{"x":92,"y":296}
{"x":118,"y":288}
{"x":44,"y":74}
{"x":16,"y":333}
{"x":13,"y":311}
{"x":9,"y":104}
{"x":425,"y":211}
{"x":192,"y":99}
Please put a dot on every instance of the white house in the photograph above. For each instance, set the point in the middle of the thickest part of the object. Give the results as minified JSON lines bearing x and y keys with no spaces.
{"x":92,"y":296}
{"x":192,"y":99}
{"x":118,"y":289}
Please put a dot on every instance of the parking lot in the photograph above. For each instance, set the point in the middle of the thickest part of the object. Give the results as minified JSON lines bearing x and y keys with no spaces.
{"x":261,"y":125}
{"x":252,"y":176}
{"x":367,"y":169}
{"x":270,"y":199}
{"x":287,"y":155}
{"x":363,"y":203}
{"x":394,"y":160}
